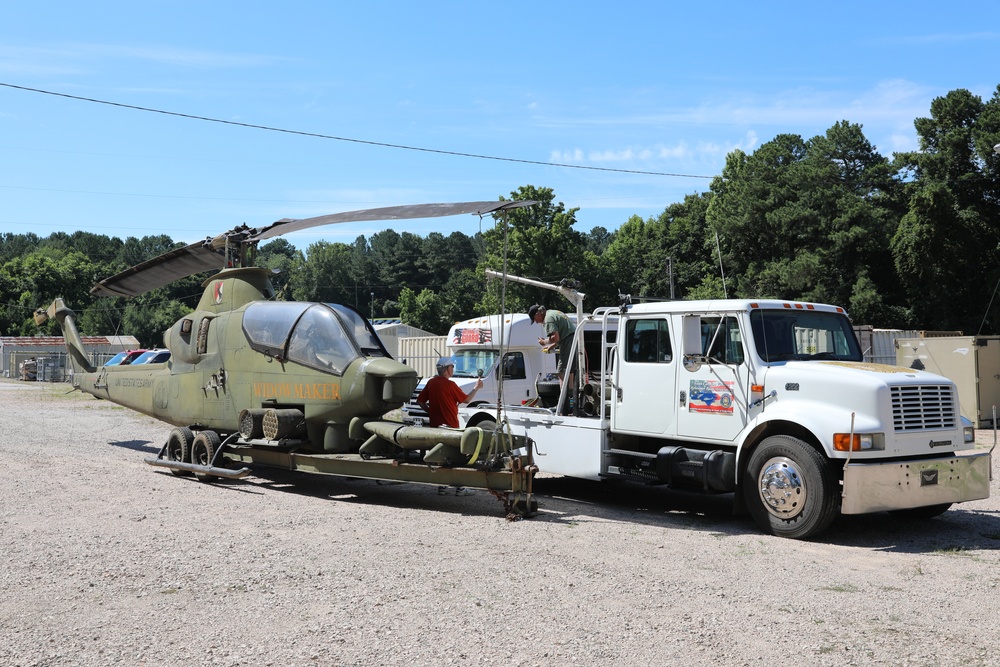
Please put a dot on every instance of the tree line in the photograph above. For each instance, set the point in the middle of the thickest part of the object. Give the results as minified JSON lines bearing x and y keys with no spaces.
{"x":907,"y":241}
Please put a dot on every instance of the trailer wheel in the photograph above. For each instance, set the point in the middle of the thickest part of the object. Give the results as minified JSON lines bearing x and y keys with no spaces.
{"x":488,"y":425}
{"x":179,"y":447}
{"x":790,"y":488}
{"x":203,"y":451}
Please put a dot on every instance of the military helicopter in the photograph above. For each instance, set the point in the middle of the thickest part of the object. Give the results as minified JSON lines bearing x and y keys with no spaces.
{"x":296,"y":385}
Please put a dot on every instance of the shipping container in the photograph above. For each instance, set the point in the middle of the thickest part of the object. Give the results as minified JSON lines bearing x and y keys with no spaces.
{"x":971,"y":362}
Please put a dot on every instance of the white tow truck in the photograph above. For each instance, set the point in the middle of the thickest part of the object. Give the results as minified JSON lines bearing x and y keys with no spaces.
{"x":769,"y":400}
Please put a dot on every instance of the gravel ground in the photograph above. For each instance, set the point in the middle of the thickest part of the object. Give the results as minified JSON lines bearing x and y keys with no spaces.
{"x":105,"y":560}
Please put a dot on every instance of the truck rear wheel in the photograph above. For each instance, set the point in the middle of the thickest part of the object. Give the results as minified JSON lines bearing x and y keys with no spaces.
{"x":790,"y":488}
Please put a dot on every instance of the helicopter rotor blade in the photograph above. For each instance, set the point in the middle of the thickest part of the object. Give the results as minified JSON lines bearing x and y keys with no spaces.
{"x":408,"y":212}
{"x":209,"y":255}
{"x":162,"y":270}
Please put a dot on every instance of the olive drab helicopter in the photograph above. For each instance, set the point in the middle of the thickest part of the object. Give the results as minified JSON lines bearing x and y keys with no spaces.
{"x":295,"y":385}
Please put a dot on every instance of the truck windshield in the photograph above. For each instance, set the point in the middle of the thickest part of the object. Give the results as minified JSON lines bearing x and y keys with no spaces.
{"x":472,"y":363}
{"x":786,"y":335}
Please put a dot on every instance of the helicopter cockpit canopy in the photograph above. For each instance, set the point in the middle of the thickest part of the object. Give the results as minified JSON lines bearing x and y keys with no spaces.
{"x":324,"y":336}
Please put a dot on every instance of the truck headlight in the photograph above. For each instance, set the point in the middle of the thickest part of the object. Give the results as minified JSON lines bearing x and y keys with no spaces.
{"x":968,"y":430}
{"x":863,"y":442}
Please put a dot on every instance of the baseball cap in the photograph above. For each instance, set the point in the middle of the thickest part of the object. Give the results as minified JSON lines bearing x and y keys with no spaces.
{"x":444,"y":362}
{"x":533,"y":311}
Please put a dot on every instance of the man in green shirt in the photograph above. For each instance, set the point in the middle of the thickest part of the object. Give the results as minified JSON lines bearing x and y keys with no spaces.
{"x":558,"y":331}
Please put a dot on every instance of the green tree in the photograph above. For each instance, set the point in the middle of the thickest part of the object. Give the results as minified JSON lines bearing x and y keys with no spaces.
{"x":16,"y":245}
{"x":460,"y":296}
{"x":325,"y":275}
{"x":536,"y":242}
{"x":424,"y":310}
{"x":147,"y":317}
{"x":35,"y":279}
{"x":946,"y":247}
{"x":282,"y":257}
{"x":808,"y":220}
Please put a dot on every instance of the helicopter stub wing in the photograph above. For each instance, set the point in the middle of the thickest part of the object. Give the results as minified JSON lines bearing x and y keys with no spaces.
{"x":408,"y":212}
{"x":208,"y":255}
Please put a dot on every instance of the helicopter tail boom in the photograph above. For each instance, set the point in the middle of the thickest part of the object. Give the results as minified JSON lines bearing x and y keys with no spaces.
{"x":74,"y":344}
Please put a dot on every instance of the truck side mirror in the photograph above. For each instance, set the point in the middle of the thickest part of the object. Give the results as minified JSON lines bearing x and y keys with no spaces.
{"x":691,"y":340}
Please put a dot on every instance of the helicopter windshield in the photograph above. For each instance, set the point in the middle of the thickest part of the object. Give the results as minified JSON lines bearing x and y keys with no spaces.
{"x":364,"y":335}
{"x":319,"y":341}
{"x":473,"y":363}
{"x":327,"y":337}
{"x":267,"y":324}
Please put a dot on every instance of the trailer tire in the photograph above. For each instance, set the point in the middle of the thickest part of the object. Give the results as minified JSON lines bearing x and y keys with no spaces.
{"x":487,"y":425}
{"x":203,"y":449}
{"x":179,"y":448}
{"x":790,"y":488}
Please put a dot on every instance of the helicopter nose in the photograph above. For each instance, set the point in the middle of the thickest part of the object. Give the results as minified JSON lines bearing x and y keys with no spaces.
{"x":396,"y":381}
{"x":396,"y":389}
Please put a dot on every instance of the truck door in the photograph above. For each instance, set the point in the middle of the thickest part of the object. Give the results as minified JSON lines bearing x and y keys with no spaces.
{"x":713,"y":394}
{"x":645,"y":384}
{"x":516,"y":386}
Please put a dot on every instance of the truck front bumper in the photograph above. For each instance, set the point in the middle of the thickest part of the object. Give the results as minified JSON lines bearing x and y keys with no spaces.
{"x":878,"y":487}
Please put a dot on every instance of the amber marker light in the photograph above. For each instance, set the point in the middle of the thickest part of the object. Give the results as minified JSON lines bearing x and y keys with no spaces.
{"x":863,"y":442}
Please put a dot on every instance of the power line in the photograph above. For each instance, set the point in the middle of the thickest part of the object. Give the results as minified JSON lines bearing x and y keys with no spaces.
{"x":348,"y":139}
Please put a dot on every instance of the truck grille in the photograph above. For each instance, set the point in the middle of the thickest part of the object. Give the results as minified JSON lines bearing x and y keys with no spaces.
{"x":412,"y":412}
{"x":923,"y":407}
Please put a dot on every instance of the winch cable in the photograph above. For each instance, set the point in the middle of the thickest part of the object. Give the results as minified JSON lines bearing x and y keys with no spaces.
{"x":501,"y":416}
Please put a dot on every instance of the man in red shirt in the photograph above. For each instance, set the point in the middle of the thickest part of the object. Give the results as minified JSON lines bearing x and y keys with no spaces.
{"x":441,"y":397}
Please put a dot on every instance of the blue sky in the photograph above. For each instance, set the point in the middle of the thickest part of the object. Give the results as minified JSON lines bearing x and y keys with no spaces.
{"x":648,"y":87}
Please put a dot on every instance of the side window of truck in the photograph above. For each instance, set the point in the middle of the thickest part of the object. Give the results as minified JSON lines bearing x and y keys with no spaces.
{"x":513,"y":366}
{"x":648,"y":342}
{"x":722,"y":335}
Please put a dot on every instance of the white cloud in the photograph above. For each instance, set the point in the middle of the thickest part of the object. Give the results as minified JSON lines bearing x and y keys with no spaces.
{"x":886,"y":111}
{"x":69,"y":57}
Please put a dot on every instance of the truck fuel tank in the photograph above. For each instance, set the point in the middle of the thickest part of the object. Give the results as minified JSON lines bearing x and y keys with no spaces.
{"x":680,"y":467}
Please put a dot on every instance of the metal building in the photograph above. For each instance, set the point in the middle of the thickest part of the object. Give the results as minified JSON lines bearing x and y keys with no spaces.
{"x":49,"y":353}
{"x":392,"y":331}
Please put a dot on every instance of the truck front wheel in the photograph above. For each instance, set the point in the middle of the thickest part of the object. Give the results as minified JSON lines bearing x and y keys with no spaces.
{"x":790,"y":488}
